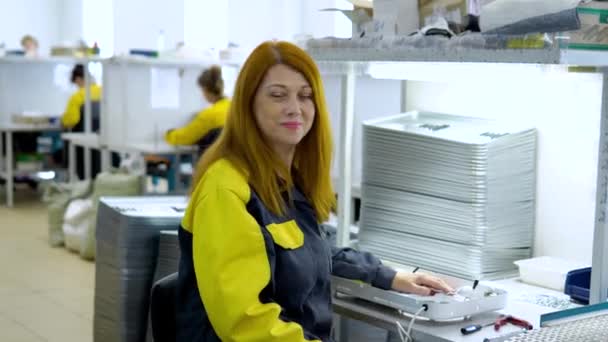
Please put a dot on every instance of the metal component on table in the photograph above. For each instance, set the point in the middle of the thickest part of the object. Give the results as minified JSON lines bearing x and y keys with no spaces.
{"x":594,"y":329}
{"x":441,"y":307}
{"x":498,"y":323}
{"x":504,"y":320}
{"x":584,"y":324}
{"x":506,"y":337}
{"x":473,"y":328}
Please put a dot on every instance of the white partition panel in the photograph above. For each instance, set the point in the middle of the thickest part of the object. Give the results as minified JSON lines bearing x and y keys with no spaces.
{"x":145,"y":98}
{"x":34,"y":86}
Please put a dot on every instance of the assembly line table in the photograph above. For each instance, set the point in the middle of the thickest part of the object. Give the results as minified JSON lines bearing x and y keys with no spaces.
{"x":7,"y":166}
{"x":87,"y":141}
{"x":157,"y":148}
{"x":426,"y":331}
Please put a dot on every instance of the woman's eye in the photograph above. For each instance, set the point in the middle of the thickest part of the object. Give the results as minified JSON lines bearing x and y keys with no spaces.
{"x":306,"y":96}
{"x":277,"y":95}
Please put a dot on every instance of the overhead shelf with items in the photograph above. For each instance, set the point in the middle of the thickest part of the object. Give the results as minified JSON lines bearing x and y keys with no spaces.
{"x":560,"y":92}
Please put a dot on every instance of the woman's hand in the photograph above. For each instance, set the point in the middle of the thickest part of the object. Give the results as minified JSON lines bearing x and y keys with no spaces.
{"x":420,"y":284}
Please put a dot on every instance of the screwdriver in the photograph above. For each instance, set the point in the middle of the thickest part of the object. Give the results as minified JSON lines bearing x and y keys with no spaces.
{"x":469,"y":329}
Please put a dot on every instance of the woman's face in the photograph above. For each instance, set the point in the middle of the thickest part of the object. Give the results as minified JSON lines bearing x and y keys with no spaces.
{"x":284,"y":107}
{"x":30,"y":45}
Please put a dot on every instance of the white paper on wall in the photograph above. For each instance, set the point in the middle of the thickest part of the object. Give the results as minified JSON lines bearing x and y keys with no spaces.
{"x":61,"y":77}
{"x":164,"y":88}
{"x":474,"y":7}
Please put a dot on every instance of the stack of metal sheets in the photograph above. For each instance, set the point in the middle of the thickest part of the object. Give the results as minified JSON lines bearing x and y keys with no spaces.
{"x":451,"y":194}
{"x":167,"y":263}
{"x":168,"y":254}
{"x":128,"y":232}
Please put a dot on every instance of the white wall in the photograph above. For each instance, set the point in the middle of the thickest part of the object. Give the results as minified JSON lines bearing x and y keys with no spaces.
{"x":118,"y":26}
{"x":137,"y":24}
{"x":565,"y":108}
{"x":70,"y":21}
{"x":251,"y":22}
{"x":35,"y":17}
{"x":322,"y":24}
{"x":98,"y":25}
{"x":212,"y":24}
{"x":205,"y":24}
{"x":373,"y":99}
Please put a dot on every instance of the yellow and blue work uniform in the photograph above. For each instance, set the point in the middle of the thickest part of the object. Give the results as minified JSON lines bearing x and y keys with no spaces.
{"x":205,"y":127}
{"x":246,"y":274}
{"x":71,"y":116}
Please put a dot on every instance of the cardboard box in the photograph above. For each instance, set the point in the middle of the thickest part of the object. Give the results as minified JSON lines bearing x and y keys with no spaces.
{"x":593,"y":34}
{"x":452,"y":10}
{"x":396,"y":17}
{"x":399,"y":17}
{"x":360,"y":17}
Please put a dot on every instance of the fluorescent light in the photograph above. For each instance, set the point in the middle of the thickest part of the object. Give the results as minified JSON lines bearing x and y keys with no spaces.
{"x":459,"y":72}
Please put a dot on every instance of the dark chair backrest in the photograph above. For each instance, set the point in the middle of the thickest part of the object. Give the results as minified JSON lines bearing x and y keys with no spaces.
{"x":162,"y":309}
{"x":208,"y":140}
{"x":95,"y":114}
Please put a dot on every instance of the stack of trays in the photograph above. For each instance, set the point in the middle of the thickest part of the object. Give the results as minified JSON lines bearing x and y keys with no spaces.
{"x":167,"y":262}
{"x":168,"y":254}
{"x":128,"y":232}
{"x":451,"y":194}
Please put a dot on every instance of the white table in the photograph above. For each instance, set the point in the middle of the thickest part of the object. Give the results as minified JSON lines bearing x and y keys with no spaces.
{"x":7,"y":172}
{"x":155,"y":148}
{"x":87,"y":141}
{"x":386,"y":318}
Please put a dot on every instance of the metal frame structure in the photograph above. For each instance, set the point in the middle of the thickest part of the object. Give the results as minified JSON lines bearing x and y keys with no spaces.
{"x":349,"y":69}
{"x":7,"y":130}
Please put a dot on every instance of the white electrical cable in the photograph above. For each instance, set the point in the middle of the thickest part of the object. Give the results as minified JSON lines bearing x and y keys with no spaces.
{"x":406,"y":335}
{"x":402,"y":332}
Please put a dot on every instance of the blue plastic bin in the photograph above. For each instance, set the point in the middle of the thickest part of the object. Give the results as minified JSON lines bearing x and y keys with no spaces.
{"x":578,"y":283}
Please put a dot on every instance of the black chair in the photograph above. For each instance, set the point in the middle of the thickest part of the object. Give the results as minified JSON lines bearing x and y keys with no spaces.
{"x":95,"y":114}
{"x":162,"y":309}
{"x":208,"y":140}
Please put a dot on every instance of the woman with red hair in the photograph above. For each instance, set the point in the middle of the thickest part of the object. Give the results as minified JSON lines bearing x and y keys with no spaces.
{"x":255,"y":265}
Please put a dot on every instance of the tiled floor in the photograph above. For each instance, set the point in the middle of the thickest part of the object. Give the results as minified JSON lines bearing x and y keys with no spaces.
{"x":46,"y":294}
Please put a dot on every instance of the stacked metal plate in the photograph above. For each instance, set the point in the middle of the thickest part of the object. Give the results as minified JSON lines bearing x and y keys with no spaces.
{"x":167,"y":263}
{"x":451,"y":194}
{"x":168,"y":254}
{"x":128,"y":232}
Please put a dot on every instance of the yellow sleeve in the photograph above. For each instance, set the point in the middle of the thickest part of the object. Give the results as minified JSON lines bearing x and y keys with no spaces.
{"x":71,"y":116}
{"x":232,"y":269}
{"x":190,"y":134}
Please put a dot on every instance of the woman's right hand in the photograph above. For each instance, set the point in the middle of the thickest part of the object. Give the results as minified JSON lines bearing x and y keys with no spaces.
{"x":420,"y":284}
